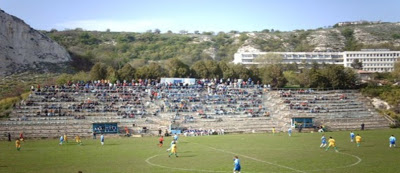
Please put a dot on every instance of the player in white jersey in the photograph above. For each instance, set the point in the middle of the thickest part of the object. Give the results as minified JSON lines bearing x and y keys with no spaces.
{"x":102,"y":139}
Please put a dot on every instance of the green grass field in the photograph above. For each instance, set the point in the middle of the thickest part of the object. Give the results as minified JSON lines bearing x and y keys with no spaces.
{"x":257,"y":152}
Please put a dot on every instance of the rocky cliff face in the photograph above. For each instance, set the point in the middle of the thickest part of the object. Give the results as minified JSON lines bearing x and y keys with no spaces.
{"x":22,"y":48}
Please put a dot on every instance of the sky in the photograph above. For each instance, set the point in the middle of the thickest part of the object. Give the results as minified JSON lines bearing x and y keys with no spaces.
{"x":200,"y":15}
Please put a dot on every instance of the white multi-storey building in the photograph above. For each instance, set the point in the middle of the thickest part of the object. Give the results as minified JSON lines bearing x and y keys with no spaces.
{"x":381,"y":60}
{"x":373,"y":60}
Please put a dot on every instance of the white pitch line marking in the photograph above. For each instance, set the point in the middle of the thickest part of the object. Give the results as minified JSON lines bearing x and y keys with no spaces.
{"x":282,"y":166}
{"x":354,"y":164}
{"x":182,"y":169}
{"x":347,"y":166}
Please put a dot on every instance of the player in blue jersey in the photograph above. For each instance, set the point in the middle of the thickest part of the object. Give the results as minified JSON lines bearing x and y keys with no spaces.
{"x":352,"y":136}
{"x":175,"y":138}
{"x":392,"y":141}
{"x":323,"y":142}
{"x":236,"y":163}
{"x":290,"y":131}
{"x":102,"y":139}
{"x":61,"y":139}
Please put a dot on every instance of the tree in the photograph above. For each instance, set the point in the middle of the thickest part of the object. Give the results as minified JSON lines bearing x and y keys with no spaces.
{"x":350,"y":43}
{"x":396,"y":71}
{"x":176,"y":68}
{"x":151,"y":71}
{"x":137,"y":63}
{"x":200,"y":70}
{"x":196,"y":32}
{"x":241,"y":71}
{"x":213,"y":69}
{"x":255,"y":73}
{"x":127,"y":72}
{"x":273,"y":75}
{"x":356,"y":64}
{"x":98,"y":71}
{"x":63,"y":79}
{"x":243,"y":37}
{"x":304,"y":78}
{"x":266,"y":31}
{"x":291,"y":77}
{"x":227,"y":70}
{"x":208,"y":33}
{"x":157,"y":31}
{"x":111,"y":74}
{"x":81,"y":76}
{"x":396,"y":36}
{"x":292,"y":67}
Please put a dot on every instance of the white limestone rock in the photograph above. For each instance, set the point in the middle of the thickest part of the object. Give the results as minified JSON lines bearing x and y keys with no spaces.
{"x":22,"y":48}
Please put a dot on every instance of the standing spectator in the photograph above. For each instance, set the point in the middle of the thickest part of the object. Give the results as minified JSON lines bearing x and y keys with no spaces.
{"x":300,"y":127}
{"x":94,"y":134}
{"x":362,"y":126}
{"x":9,"y":137}
{"x":166,"y":133}
{"x":159,"y":132}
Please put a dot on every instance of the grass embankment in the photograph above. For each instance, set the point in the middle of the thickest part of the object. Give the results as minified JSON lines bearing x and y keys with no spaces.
{"x":390,"y":94}
{"x":14,"y":88}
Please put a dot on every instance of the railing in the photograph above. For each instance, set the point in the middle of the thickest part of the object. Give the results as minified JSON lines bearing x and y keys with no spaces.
{"x":392,"y":121}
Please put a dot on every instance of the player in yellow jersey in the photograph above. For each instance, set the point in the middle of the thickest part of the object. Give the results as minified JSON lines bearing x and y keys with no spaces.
{"x":332,"y":143}
{"x":18,"y":144}
{"x":173,"y":150}
{"x":273,"y":130}
{"x":358,"y":140}
{"x":78,"y":139}
{"x":65,"y":138}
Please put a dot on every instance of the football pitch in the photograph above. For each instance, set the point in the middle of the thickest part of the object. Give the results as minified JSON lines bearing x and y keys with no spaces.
{"x":257,"y":153}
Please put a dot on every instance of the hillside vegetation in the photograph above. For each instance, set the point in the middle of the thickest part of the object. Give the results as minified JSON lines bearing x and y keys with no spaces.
{"x":118,"y":48}
{"x":152,"y":55}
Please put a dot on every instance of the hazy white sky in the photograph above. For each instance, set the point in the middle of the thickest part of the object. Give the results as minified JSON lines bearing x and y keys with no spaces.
{"x":202,"y":15}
